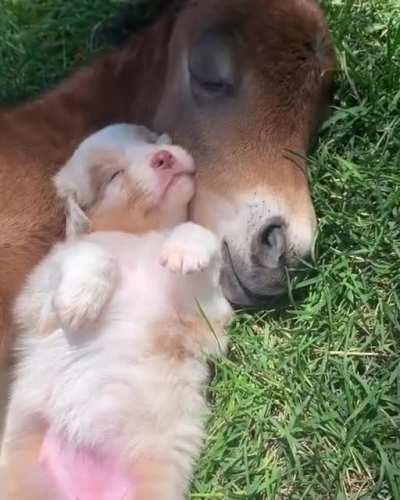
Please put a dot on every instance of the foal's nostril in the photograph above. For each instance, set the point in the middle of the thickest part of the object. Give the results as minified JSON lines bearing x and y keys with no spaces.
{"x":273,"y":237}
{"x":269,"y":245}
{"x":163,"y":160}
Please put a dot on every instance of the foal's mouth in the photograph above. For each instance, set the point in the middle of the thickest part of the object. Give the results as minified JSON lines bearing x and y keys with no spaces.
{"x":237,"y":285}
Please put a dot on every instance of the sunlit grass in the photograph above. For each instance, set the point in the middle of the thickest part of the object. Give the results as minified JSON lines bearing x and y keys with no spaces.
{"x":307,"y":404}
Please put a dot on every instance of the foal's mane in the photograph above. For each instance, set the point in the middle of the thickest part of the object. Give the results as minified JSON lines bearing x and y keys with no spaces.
{"x":126,"y":22}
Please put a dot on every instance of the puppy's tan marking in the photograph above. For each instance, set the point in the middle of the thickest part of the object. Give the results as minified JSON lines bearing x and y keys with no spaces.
{"x":21,"y":478}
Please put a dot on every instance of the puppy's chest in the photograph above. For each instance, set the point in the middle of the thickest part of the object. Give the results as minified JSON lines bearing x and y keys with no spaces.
{"x":142,"y":291}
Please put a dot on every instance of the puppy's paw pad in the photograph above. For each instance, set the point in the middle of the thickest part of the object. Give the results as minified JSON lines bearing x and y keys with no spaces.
{"x":179,"y":258}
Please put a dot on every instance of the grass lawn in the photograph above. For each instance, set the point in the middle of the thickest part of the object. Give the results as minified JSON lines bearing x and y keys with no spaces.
{"x":308,"y":403}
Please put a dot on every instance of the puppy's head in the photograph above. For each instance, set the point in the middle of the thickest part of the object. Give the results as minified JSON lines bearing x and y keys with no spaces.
{"x":128,"y":179}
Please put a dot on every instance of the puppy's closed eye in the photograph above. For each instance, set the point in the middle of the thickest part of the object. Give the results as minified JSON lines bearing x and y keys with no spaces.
{"x":102,"y":174}
{"x":115,"y":175}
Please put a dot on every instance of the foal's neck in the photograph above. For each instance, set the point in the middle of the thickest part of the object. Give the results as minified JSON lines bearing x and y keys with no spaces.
{"x":124,"y":85}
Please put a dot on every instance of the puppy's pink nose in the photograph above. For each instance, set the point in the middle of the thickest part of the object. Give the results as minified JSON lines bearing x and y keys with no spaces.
{"x":163,"y":160}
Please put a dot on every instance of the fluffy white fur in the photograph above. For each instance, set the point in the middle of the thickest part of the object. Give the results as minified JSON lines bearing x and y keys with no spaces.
{"x":115,"y":327}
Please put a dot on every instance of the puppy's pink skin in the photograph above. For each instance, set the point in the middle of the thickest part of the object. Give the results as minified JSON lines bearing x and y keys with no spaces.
{"x":81,"y":473}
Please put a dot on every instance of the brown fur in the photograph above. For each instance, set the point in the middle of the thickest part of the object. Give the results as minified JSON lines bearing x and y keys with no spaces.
{"x":289,"y":65}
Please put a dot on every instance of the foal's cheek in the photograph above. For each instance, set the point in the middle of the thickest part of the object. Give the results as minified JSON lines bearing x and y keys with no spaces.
{"x":212,"y":211}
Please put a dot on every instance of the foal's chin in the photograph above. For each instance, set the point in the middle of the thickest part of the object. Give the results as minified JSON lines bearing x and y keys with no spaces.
{"x":262,"y":236}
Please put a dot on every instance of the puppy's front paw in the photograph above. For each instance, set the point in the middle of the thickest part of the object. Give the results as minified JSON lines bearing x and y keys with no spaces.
{"x":189,"y":249}
{"x":183,"y":259}
{"x":83,"y":294}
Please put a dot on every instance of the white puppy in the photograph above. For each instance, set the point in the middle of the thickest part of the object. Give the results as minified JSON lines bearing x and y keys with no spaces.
{"x":108,"y":401}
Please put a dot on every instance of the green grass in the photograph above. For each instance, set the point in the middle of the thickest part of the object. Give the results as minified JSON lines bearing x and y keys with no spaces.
{"x":308,"y":403}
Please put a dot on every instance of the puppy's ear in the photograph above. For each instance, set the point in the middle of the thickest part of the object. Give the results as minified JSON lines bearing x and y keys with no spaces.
{"x":144,"y":134}
{"x":77,"y":222}
{"x":149,"y":136}
{"x":85,"y":181}
{"x":81,"y":185}
{"x":164,"y":140}
{"x":74,"y":182}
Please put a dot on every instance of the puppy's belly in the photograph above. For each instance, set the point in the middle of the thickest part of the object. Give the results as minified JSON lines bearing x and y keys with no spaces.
{"x":120,"y":409}
{"x":93,"y":399}
{"x":81,"y":473}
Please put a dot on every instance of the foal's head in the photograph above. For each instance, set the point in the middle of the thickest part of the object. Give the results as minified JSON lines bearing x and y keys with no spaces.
{"x":245,"y":86}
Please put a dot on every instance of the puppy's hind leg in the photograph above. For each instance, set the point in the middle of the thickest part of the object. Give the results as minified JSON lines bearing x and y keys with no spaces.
{"x":158,"y":480}
{"x":21,"y":477}
{"x":88,"y":278}
{"x":26,"y":483}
